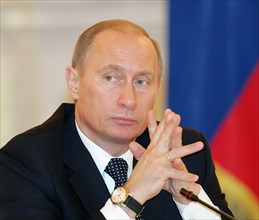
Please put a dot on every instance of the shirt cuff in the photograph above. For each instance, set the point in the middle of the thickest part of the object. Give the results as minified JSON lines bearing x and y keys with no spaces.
{"x":195,"y":210}
{"x":111,"y":211}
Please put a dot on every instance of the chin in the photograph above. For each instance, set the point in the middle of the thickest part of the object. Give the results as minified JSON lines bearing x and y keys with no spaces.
{"x":125,"y":137}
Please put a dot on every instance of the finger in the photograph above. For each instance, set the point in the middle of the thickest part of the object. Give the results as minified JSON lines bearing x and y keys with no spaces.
{"x":182,"y":175}
{"x":136,"y":149}
{"x":176,"y":138}
{"x":179,"y":152}
{"x":179,"y":164}
{"x":168,"y":114}
{"x":165,"y":138}
{"x":152,"y":123}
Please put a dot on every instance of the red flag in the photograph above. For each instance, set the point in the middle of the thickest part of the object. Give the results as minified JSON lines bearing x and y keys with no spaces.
{"x":235,"y":148}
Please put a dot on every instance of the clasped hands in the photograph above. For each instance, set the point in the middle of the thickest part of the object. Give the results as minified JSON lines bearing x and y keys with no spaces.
{"x":160,"y":165}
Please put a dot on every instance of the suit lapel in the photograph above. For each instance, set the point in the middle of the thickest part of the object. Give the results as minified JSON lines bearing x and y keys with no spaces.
{"x":84,"y":176}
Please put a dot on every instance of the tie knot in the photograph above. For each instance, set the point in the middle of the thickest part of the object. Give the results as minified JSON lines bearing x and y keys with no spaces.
{"x":117,"y":168}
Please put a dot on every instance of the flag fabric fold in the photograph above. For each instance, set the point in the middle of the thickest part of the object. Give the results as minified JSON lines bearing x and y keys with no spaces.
{"x":213,"y":85}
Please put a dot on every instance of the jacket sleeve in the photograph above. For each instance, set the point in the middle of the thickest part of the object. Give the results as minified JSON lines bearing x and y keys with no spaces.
{"x":21,"y":197}
{"x":211,"y":183}
{"x":26,"y":190}
{"x":201,"y":163}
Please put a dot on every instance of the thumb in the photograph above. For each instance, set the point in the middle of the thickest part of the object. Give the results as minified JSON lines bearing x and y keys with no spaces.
{"x":136,"y":149}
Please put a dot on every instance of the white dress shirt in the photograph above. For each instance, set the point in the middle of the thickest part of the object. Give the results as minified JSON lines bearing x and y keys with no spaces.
{"x":192,"y":211}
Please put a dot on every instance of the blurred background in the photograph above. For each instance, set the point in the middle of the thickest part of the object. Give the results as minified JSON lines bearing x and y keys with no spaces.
{"x":210,"y":50}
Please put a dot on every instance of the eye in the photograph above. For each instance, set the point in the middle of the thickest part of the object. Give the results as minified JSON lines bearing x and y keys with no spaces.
{"x":141,"y":82}
{"x":109,"y":78}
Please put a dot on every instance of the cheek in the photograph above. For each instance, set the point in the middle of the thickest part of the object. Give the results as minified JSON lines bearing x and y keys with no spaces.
{"x":102,"y":99}
{"x":88,"y":96}
{"x":146,"y":100}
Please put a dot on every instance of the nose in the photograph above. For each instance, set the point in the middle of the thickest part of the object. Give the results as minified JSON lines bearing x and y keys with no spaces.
{"x":127,"y":97}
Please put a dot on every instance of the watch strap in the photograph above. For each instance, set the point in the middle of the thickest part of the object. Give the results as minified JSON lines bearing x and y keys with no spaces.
{"x":133,"y":204}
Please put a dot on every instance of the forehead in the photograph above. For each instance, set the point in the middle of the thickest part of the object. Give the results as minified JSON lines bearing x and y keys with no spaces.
{"x":123,"y":43}
{"x":109,"y":36}
{"x":131,"y":50}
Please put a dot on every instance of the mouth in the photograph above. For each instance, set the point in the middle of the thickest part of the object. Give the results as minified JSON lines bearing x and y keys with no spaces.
{"x":123,"y":120}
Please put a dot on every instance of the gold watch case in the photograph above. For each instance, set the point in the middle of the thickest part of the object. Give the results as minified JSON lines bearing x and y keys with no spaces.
{"x":119,"y":195}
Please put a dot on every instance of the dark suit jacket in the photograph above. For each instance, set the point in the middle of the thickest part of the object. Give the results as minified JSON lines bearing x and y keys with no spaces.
{"x":47,"y":173}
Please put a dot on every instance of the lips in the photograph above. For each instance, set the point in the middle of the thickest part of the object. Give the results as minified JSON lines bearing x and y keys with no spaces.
{"x":122,"y":120}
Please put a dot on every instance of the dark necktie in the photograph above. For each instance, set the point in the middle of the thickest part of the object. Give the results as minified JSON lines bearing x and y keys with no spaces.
{"x":117,"y":168}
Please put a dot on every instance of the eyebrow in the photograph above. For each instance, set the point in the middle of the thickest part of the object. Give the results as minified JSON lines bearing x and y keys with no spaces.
{"x":113,"y":67}
{"x":121,"y":69}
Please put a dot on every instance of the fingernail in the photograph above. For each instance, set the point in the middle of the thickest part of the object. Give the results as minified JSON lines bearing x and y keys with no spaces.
{"x":198,"y":144}
{"x":195,"y":178}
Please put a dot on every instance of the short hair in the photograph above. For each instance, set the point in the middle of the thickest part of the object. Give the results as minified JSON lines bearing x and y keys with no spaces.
{"x":86,"y":39}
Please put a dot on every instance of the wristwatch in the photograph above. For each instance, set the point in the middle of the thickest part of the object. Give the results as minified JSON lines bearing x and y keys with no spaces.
{"x":122,"y":197}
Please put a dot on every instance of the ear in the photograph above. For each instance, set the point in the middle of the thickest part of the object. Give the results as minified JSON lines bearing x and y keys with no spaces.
{"x":72,"y":78}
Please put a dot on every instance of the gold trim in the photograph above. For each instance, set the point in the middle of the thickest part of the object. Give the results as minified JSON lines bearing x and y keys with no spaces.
{"x":242,"y":201}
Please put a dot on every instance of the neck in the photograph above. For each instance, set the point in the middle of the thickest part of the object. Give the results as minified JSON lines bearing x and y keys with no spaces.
{"x":113,"y":147}
{"x":115,"y":151}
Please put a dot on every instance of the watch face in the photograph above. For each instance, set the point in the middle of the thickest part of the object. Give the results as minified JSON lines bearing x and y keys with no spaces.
{"x":119,"y":195}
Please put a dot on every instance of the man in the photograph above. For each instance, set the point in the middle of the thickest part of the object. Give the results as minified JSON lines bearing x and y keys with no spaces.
{"x":59,"y":170}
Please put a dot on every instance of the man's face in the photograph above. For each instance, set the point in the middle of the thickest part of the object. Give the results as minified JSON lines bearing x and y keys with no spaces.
{"x":117,"y":87}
